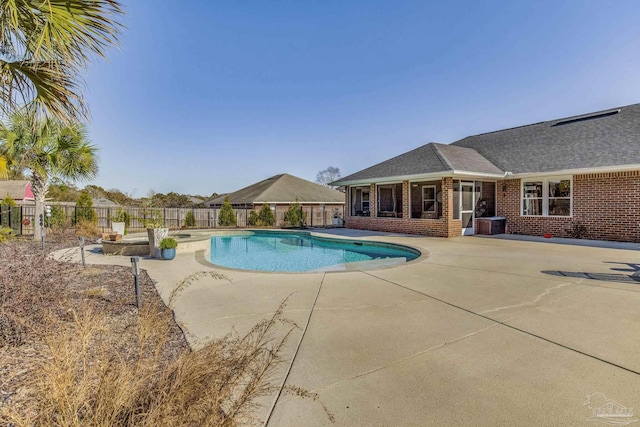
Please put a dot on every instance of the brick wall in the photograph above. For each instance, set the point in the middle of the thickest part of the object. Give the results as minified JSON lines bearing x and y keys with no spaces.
{"x":607,"y":204}
{"x":428,"y":227}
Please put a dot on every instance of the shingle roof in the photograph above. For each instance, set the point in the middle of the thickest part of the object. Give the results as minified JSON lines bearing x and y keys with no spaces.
{"x":16,"y":189}
{"x":427,"y":159}
{"x":605,"y":138}
{"x":600,"y":139}
{"x":282,"y":188}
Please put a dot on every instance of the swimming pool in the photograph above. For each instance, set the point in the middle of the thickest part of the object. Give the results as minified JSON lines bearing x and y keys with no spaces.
{"x":300,"y":251}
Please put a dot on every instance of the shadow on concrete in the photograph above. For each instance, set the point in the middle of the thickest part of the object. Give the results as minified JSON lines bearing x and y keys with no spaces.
{"x":607,"y":277}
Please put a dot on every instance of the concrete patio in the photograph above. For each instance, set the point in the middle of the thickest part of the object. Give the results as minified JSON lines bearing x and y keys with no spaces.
{"x":477,"y":331}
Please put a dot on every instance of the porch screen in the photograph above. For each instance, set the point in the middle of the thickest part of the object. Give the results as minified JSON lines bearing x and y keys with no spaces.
{"x":386,"y":199}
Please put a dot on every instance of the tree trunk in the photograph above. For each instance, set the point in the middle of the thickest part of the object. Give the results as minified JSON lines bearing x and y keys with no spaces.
{"x":39,"y":186}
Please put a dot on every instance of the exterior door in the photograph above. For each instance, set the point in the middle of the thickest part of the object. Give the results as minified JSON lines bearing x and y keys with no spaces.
{"x":467,"y":205}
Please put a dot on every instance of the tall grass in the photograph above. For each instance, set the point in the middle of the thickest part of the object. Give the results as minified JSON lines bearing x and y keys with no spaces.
{"x":85,"y":381}
{"x":98,"y":362}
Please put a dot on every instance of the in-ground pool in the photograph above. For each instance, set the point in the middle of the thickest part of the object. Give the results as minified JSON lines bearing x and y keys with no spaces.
{"x":300,"y":251}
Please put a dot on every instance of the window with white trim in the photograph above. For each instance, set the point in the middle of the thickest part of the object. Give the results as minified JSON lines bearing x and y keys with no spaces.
{"x":365,"y":201}
{"x":428,"y":198}
{"x":547,"y":197}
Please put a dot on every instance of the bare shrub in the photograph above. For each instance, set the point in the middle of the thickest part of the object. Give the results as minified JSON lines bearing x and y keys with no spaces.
{"x":85,"y":381}
{"x":87,"y":229}
{"x":81,"y":354}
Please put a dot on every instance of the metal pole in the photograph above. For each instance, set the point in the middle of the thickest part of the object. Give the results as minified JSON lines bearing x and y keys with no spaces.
{"x":135,"y":265}
{"x":81,"y":239}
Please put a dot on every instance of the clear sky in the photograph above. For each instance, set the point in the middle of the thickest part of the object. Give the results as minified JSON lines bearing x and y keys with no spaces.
{"x":207,"y":96}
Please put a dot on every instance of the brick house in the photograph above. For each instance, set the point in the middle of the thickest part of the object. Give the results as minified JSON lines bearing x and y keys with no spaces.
{"x":577,"y":176}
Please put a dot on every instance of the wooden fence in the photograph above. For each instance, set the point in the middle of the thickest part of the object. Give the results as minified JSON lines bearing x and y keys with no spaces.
{"x":21,"y":219}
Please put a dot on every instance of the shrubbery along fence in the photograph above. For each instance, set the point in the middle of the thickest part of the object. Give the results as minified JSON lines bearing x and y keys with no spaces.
{"x":21,"y":218}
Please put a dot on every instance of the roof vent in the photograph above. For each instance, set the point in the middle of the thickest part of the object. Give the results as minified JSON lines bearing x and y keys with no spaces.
{"x":586,"y":117}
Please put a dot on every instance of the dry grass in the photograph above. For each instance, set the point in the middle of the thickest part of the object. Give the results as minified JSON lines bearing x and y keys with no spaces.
{"x":88,"y":229}
{"x":76,"y":352}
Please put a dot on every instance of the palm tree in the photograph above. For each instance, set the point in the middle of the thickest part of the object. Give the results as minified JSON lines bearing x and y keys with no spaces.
{"x":43,"y":46}
{"x":47,"y":148}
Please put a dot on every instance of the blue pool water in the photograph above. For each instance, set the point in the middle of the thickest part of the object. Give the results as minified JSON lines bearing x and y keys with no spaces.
{"x":275,"y":251}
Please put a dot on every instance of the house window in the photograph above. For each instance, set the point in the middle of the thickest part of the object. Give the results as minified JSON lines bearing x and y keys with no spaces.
{"x":429,"y":198}
{"x":365,"y":201}
{"x":546,"y":197}
{"x":359,"y":201}
{"x":559,"y":197}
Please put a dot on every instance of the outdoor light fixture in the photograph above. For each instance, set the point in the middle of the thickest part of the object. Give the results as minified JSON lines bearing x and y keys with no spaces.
{"x":135,"y":267}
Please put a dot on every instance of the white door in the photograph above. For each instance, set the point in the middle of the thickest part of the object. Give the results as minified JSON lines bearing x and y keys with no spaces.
{"x":467,"y":204}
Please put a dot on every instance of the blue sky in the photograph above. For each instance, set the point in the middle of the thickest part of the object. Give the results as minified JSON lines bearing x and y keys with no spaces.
{"x":216,"y":95}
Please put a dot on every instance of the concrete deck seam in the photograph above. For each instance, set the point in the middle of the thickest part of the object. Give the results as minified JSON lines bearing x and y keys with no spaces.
{"x":566,"y":347}
{"x":295,"y":354}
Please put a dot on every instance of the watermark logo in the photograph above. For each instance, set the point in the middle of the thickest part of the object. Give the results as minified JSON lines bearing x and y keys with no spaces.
{"x":607,"y":411}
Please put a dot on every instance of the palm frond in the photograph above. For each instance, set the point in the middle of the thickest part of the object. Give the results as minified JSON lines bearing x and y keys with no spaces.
{"x":43,"y":46}
{"x":46,"y":87}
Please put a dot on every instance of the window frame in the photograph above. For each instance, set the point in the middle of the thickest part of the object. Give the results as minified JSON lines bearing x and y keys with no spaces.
{"x":368,"y":201}
{"x":545,"y":195}
{"x":435,"y":198}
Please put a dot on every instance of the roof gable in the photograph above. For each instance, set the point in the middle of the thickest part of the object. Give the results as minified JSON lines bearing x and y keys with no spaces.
{"x":428,"y":159}
{"x":283,"y":188}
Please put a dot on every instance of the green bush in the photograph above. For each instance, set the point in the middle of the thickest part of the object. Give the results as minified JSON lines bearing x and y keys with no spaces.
{"x":253,"y":219}
{"x":189,"y":219}
{"x":227,"y":217}
{"x":294,"y":216}
{"x":168,"y":243}
{"x":265,"y":216}
{"x":58,"y":218}
{"x":84,"y":208}
{"x":5,"y":234}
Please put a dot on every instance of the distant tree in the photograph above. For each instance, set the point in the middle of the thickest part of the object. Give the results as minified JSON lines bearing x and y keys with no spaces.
{"x":84,"y":208}
{"x":265,"y":216}
{"x":62,"y":191}
{"x":171,"y":200}
{"x":328,"y":175}
{"x":227,"y":217}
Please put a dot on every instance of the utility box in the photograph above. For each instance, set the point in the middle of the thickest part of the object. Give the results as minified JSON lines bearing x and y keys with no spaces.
{"x":491,"y":225}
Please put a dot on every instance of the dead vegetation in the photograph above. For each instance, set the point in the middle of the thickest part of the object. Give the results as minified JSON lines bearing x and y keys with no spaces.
{"x":75,"y":351}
